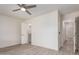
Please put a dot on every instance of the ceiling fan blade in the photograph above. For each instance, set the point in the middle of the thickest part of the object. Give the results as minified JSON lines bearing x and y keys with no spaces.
{"x":19,"y":5}
{"x":16,"y":10}
{"x":23,"y":4}
{"x":31,"y":6}
{"x":28,"y":12}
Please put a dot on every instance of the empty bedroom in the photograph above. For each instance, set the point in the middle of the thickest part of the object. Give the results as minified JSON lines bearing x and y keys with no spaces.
{"x":39,"y":29}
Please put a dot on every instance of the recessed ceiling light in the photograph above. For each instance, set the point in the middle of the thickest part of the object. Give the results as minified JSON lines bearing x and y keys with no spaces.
{"x":23,"y":9}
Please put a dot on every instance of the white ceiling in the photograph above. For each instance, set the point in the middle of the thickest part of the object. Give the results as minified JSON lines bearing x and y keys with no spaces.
{"x":40,"y":9}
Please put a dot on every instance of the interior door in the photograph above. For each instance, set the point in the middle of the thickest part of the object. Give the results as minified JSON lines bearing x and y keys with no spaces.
{"x":24,"y":38}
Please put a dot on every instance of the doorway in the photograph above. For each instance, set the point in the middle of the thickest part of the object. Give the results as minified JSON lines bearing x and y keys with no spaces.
{"x":29,"y":33}
{"x":68,"y":41}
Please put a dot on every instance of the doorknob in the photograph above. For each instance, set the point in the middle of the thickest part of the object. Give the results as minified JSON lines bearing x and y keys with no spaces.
{"x":59,"y":32}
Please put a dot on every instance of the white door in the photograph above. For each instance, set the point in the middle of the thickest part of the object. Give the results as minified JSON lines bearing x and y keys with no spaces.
{"x":24,"y":37}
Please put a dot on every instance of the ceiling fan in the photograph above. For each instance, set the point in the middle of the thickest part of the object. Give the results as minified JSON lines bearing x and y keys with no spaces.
{"x":24,"y":7}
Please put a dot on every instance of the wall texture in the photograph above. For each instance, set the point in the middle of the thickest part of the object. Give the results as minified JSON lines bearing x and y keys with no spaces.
{"x":9,"y":31}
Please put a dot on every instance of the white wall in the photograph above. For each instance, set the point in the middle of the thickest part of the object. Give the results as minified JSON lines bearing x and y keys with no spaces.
{"x":9,"y":31}
{"x":45,"y":30}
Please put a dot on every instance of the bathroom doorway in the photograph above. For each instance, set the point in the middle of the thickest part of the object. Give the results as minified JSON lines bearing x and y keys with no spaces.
{"x":29,"y":33}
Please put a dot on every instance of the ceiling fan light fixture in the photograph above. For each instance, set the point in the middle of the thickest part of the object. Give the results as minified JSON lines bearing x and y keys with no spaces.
{"x":23,"y":9}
